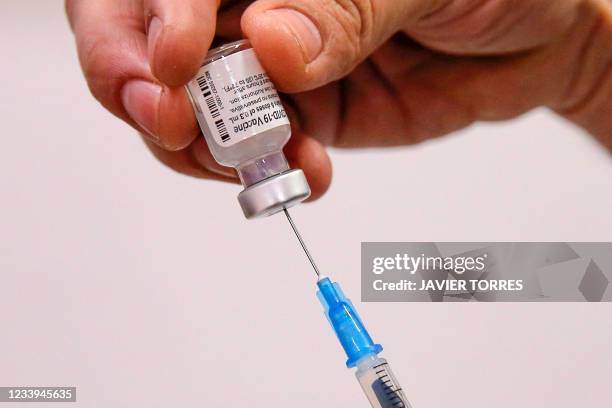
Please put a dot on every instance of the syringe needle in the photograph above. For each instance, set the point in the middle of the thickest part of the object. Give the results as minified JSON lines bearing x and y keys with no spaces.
{"x":299,"y":237}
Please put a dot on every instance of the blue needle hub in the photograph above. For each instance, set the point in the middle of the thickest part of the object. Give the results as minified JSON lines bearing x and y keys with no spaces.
{"x":345,"y":321}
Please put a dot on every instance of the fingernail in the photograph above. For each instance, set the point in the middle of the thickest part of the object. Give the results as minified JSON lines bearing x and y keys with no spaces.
{"x":141,"y":100}
{"x":153,"y":32}
{"x":303,"y":29}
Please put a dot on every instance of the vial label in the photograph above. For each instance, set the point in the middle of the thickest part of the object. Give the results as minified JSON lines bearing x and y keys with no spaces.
{"x":236,"y":98}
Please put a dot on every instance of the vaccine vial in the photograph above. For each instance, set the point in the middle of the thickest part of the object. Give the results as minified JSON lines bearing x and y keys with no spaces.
{"x":246,"y":127}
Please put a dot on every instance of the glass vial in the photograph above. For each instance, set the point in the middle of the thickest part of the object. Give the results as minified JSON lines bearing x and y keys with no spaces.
{"x":245,"y":125}
{"x":240,"y":113}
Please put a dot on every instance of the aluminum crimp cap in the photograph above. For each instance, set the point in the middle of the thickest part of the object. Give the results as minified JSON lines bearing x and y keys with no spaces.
{"x":271,"y":195}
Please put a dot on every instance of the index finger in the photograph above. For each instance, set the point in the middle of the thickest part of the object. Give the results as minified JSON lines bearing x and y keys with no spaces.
{"x":112,"y":47}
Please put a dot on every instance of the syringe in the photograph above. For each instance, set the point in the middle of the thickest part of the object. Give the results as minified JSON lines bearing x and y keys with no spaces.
{"x":245,"y":127}
{"x":373,"y":372}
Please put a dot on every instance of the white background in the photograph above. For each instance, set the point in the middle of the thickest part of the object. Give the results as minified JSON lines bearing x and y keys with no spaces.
{"x":145,"y":288}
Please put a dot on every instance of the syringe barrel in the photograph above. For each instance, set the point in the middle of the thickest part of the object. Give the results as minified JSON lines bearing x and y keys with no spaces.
{"x":379,"y":383}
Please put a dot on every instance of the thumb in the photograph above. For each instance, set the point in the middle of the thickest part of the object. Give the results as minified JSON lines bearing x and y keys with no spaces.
{"x":304,"y":44}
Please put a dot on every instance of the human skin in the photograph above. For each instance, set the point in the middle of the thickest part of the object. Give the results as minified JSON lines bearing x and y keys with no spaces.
{"x":354,"y":73}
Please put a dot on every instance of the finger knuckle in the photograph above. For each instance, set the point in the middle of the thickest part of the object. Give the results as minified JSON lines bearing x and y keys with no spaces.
{"x":100,"y":62}
{"x":353,"y":22}
{"x":589,"y":80}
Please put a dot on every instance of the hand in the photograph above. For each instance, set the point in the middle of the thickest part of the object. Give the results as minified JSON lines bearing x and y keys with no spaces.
{"x":357,"y":72}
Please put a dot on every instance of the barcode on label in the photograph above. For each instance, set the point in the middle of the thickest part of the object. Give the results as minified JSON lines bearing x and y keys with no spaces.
{"x":213,"y":108}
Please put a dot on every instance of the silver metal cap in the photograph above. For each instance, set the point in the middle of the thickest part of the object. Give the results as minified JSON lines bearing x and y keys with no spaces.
{"x":271,"y":195}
